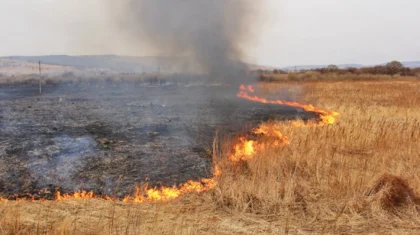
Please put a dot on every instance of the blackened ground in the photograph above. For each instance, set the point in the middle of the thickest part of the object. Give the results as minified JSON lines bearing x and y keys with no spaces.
{"x":111,"y":138}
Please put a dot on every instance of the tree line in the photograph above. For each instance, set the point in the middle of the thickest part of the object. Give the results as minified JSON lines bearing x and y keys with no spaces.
{"x":391,"y":68}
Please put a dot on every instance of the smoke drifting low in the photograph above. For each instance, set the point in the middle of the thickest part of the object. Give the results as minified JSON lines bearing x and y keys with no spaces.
{"x":211,"y":35}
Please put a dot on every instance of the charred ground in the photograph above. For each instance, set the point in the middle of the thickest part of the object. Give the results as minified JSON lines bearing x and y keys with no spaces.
{"x":110,"y":138}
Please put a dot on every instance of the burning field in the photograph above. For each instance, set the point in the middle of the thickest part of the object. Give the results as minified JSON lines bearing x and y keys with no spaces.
{"x":250,"y":163}
{"x":216,"y":153}
{"x":105,"y":143}
{"x":61,"y":146}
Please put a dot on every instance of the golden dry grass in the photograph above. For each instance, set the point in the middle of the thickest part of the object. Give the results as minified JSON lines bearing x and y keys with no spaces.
{"x":321,"y":181}
{"x":329,"y":180}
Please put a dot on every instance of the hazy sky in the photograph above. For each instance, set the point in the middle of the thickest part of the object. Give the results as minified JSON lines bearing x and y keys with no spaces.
{"x":291,"y":31}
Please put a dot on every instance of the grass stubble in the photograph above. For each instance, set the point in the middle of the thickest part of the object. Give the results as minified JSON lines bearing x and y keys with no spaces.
{"x":359,"y":175}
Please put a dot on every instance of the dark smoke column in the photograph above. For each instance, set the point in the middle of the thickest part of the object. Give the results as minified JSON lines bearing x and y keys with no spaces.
{"x":209,"y":33}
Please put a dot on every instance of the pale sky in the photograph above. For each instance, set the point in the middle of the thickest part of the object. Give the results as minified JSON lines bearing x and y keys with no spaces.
{"x":292,"y":32}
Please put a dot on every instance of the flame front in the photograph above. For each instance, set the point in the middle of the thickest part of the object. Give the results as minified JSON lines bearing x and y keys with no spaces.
{"x":244,"y":149}
{"x":326,"y":117}
{"x":149,"y":194}
{"x":170,"y":193}
{"x":76,"y":195}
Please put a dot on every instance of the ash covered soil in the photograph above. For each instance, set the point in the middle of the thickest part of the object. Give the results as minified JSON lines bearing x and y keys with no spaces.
{"x":109,"y":139}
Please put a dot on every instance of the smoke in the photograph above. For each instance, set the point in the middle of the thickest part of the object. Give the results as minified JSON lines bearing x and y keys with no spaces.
{"x":210,"y":35}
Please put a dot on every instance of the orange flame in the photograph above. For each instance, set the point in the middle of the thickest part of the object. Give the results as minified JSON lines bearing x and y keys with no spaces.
{"x":326,"y":117}
{"x":243,"y":151}
{"x":75,"y":195}
{"x":246,"y":149}
{"x":170,"y":193}
{"x":152,"y":194}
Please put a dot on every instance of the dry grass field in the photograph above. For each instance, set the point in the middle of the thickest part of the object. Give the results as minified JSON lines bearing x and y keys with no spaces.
{"x":357,"y":176}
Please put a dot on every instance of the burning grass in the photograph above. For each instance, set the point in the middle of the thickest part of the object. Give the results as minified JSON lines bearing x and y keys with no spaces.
{"x":359,"y":175}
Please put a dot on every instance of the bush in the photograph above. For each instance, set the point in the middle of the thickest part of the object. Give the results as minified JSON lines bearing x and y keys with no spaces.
{"x":394,"y":67}
{"x":416,"y":71}
{"x":332,"y":68}
{"x":293,"y":76}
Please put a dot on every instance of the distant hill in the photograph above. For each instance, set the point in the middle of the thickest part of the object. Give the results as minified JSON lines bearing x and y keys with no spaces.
{"x":412,"y":64}
{"x":113,"y":64}
{"x":117,"y":64}
{"x":15,"y":67}
{"x":10,"y":67}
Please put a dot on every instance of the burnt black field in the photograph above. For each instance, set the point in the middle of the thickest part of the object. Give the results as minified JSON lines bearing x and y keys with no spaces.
{"x":110,"y":138}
